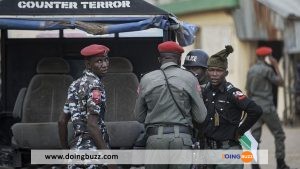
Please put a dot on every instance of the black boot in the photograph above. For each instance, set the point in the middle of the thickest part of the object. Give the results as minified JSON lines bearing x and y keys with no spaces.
{"x":255,"y":166}
{"x":281,"y":164}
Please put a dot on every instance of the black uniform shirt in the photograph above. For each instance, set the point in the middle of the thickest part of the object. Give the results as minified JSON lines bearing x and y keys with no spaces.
{"x":229,"y":102}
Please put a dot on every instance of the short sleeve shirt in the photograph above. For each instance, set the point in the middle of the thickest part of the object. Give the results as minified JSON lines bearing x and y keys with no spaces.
{"x":86,"y":96}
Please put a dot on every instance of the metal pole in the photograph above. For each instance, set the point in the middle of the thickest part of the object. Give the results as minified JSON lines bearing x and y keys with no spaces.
{"x":286,"y":87}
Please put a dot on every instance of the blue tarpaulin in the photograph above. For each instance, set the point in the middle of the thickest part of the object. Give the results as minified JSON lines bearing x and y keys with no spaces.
{"x":185,"y":32}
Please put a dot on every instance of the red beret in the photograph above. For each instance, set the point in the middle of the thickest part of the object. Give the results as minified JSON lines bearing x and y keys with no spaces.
{"x":263,"y":51}
{"x":92,"y":50}
{"x":171,"y":47}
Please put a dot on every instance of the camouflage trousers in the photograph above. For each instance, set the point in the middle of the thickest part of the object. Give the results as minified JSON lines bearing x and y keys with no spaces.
{"x":84,"y":143}
{"x":272,"y":121}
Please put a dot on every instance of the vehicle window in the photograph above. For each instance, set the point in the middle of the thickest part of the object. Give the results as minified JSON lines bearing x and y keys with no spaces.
{"x":76,"y":33}
{"x":67,"y":33}
{"x":23,"y":34}
{"x":153,"y":32}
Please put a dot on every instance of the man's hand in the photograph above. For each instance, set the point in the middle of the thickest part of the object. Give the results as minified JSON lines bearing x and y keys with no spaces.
{"x":273,"y":61}
{"x":63,"y":129}
{"x":94,"y":131}
{"x":276,"y":67}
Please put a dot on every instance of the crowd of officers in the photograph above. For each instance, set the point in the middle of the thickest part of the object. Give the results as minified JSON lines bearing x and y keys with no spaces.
{"x":177,"y":105}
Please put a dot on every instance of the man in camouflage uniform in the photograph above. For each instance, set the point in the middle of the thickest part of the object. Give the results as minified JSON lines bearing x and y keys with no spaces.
{"x":225,"y":105}
{"x":167,"y":108}
{"x":260,"y":79}
{"x":85,"y":106}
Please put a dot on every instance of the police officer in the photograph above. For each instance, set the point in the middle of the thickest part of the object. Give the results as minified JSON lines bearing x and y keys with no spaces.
{"x":168,"y":101}
{"x":260,"y":79}
{"x":196,"y":62}
{"x":225,"y":104}
{"x":85,"y":105}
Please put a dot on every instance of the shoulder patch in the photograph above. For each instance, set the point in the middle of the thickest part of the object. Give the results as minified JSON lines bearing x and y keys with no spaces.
{"x":96,"y":96}
{"x":239,"y":95}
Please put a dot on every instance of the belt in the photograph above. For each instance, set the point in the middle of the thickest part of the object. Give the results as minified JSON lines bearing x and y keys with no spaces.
{"x":215,"y":144}
{"x":168,"y":130}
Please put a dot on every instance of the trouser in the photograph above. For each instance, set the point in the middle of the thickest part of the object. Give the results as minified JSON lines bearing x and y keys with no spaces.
{"x":175,"y":140}
{"x":225,"y":145}
{"x":84,"y":142}
{"x":273,"y":123}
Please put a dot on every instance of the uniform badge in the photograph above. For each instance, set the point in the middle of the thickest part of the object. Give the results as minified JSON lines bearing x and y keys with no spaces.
{"x":191,"y":58}
{"x":96,"y":96}
{"x":239,"y":95}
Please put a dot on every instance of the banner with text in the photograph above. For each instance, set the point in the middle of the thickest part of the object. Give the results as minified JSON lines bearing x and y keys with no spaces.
{"x":147,"y":157}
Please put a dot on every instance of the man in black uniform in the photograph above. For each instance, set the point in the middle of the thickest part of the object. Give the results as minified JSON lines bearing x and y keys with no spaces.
{"x":225,"y":105}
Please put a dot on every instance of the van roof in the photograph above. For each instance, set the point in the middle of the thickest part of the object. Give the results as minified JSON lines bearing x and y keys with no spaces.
{"x":78,"y":8}
{"x":54,"y":14}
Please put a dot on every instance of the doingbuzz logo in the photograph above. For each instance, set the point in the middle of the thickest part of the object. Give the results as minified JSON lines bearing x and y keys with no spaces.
{"x":246,"y":156}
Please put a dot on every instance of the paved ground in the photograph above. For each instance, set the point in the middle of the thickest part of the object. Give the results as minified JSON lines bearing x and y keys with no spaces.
{"x":292,"y":150}
{"x":292,"y":147}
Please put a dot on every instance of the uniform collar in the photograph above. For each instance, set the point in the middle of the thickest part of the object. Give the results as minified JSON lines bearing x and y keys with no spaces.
{"x":221,"y":87}
{"x":260,"y":61}
{"x":168,"y":64}
{"x":91,"y":74}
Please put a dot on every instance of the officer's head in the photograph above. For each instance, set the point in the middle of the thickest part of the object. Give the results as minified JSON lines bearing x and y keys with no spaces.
{"x":196,"y":62}
{"x":263,"y":51}
{"x":96,"y":58}
{"x":217,"y":66}
{"x":170,"y":51}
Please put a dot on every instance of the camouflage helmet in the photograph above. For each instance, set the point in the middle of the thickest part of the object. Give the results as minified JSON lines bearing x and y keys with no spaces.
{"x":196,"y":57}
